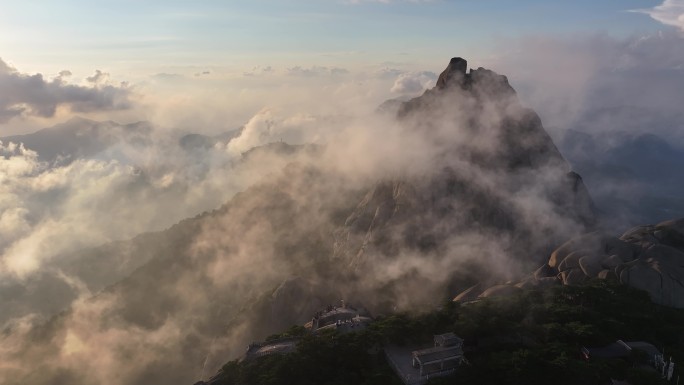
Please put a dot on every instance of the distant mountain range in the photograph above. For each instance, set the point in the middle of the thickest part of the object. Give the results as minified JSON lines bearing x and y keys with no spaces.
{"x":633,"y":179}
{"x":85,"y":138}
{"x":81,"y":138}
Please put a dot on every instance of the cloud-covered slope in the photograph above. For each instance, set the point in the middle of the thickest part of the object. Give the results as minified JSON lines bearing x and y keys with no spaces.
{"x":390,"y":213}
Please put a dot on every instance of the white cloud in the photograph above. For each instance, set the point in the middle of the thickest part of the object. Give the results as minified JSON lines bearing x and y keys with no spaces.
{"x":610,"y":90}
{"x":316,"y":71}
{"x":98,"y":77}
{"x":563,"y":79}
{"x":259,"y":70}
{"x":670,"y":12}
{"x":269,"y":126}
{"x":414,"y":82}
{"x":22,"y":94}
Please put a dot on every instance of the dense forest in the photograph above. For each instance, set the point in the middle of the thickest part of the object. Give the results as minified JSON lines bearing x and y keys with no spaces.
{"x":533,"y":337}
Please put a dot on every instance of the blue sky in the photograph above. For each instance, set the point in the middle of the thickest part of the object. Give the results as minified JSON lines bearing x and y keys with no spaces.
{"x":44,"y":36}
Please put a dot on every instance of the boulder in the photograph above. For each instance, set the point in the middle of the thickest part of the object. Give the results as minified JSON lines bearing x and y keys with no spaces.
{"x":636,"y":233}
{"x":469,"y":294}
{"x":607,"y":274}
{"x":527,"y":283}
{"x":676,"y":225}
{"x":611,"y":262}
{"x":649,"y":258}
{"x":669,"y":256}
{"x":625,"y":251}
{"x":590,"y":265}
{"x":572,"y":260}
{"x":648,"y":240}
{"x":643,"y":277}
{"x":590,"y":241}
{"x":499,"y":291}
{"x":671,"y":233}
{"x":573,"y":277}
{"x":548,"y":282}
{"x":620,"y":268}
{"x":545,"y":271}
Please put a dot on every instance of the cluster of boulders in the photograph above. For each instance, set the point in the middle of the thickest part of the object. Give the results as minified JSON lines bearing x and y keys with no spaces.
{"x":649,"y":258}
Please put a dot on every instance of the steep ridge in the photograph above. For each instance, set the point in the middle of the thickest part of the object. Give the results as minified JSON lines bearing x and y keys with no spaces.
{"x":498,"y":186}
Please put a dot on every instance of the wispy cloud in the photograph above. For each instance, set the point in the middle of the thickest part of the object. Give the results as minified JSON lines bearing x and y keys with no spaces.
{"x":670,"y":12}
{"x":414,"y":82}
{"x":316,"y":71}
{"x":22,"y":94}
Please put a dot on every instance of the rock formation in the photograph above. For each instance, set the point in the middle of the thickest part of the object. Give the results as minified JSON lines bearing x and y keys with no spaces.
{"x":495,"y":172}
{"x":649,"y":258}
{"x":454,"y":72}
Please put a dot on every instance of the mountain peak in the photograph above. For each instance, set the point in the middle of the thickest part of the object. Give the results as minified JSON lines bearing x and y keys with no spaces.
{"x":455,"y":81}
{"x":79,"y":119}
{"x":455,"y":72}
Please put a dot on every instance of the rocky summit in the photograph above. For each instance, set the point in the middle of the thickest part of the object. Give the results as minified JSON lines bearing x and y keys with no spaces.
{"x":455,"y":71}
{"x":497,"y":183}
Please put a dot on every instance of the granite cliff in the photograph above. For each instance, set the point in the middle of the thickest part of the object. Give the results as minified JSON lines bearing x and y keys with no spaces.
{"x":498,"y":184}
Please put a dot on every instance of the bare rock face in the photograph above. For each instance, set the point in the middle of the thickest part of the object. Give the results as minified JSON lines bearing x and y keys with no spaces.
{"x":573,"y":277}
{"x":591,"y":265}
{"x":471,"y":294}
{"x":588,"y":241}
{"x":454,"y":73}
{"x":649,"y":258}
{"x":495,"y":184}
{"x":500,"y":291}
{"x":544,"y":271}
{"x":572,"y":261}
{"x":607,"y":274}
